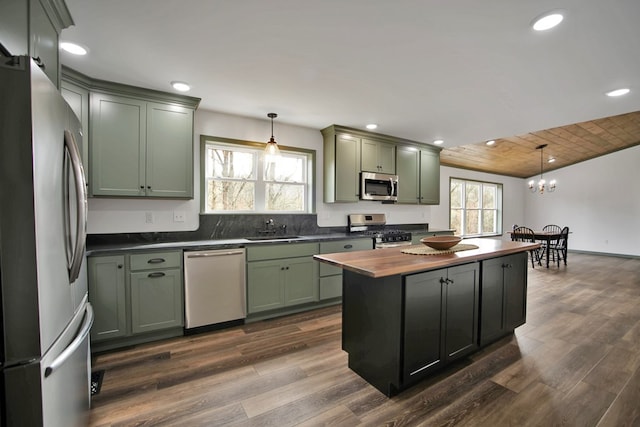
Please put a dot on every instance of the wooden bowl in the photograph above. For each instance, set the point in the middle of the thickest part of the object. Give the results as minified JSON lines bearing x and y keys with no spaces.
{"x":441,"y":242}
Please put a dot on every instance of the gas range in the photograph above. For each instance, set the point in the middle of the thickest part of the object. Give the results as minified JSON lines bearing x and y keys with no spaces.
{"x":374,"y":225}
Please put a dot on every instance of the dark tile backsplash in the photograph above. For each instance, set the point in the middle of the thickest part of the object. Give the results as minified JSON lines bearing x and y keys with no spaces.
{"x":230,"y":226}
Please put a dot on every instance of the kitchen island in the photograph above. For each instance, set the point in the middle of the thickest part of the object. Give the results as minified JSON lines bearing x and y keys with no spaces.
{"x":405,"y":316}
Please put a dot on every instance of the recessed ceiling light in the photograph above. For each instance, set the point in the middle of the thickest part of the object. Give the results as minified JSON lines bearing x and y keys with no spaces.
{"x":618,"y":92}
{"x":73,"y":48}
{"x":372,"y":126}
{"x":491,"y":142}
{"x":438,"y":142}
{"x":181,"y":86}
{"x":551,"y":160}
{"x":547,"y":21}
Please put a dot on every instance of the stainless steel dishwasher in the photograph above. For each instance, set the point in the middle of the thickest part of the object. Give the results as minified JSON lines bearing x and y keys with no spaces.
{"x":214,"y":286}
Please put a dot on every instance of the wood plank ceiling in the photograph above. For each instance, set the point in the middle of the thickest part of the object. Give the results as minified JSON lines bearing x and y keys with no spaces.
{"x":517,"y":156}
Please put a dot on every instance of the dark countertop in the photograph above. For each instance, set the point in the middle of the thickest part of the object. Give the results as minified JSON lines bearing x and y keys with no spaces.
{"x":196,"y":245}
{"x":226,"y":243}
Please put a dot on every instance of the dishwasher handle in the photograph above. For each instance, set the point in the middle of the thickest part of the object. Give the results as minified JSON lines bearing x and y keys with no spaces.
{"x":212,"y":254}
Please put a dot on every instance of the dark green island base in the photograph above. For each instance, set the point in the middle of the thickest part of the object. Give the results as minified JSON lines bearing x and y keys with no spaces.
{"x":423,"y":312}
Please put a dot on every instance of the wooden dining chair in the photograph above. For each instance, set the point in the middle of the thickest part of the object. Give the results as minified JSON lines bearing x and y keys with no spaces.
{"x":559,"y":250}
{"x":551,"y":228}
{"x":525,"y":234}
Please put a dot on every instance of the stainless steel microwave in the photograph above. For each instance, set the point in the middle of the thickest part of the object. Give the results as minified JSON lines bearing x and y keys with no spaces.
{"x":378,"y":186}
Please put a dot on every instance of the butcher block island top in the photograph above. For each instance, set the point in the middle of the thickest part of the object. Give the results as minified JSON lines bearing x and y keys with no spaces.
{"x":377,"y":263}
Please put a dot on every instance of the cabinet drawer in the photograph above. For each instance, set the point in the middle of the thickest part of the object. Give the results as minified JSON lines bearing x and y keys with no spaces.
{"x":153,"y":261}
{"x":283,"y":250}
{"x":341,"y":246}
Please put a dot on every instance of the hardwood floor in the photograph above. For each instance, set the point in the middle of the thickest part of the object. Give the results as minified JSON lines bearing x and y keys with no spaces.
{"x":576,"y":362}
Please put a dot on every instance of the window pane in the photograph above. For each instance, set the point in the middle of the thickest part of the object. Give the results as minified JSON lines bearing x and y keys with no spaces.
{"x":472,"y":199}
{"x":488,"y":221}
{"x":456,"y":220}
{"x":284,"y":197}
{"x":489,"y":196}
{"x":456,"y":195}
{"x":225,"y":163}
{"x":230,"y":196}
{"x":472,"y":222}
{"x":284,"y":169}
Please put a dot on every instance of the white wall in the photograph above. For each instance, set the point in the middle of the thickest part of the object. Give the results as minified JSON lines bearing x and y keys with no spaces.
{"x":597,"y":199}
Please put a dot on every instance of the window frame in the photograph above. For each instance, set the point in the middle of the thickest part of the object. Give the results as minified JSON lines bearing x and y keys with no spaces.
{"x":258,"y":148}
{"x":499,"y":206}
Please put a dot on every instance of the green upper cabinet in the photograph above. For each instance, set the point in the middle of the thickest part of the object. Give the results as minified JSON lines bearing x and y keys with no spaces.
{"x":408,"y":164}
{"x":118,"y":144}
{"x":341,"y":167}
{"x":430,"y":177}
{"x":140,"y":148}
{"x":169,"y":153}
{"x":77,"y":97}
{"x":32,"y":27}
{"x":418,"y":175}
{"x":378,"y":156}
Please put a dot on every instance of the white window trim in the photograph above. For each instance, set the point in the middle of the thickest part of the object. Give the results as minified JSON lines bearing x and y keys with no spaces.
{"x":498,"y":210}
{"x":258,"y":149}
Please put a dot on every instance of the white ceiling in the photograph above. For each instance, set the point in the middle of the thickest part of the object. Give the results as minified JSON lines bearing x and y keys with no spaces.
{"x":459,"y":70}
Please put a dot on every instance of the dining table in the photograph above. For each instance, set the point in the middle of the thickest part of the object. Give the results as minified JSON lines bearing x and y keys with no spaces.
{"x":547,"y":237}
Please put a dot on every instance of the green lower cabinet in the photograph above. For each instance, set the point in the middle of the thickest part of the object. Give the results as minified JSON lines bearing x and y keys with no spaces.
{"x":274,"y":284}
{"x":136,"y":298}
{"x":107,"y":293}
{"x":265,"y":286}
{"x":331,"y":276}
{"x":156,"y":300}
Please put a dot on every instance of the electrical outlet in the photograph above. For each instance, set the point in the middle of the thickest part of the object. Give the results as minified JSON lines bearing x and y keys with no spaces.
{"x":178,"y":216}
{"x":148,"y":217}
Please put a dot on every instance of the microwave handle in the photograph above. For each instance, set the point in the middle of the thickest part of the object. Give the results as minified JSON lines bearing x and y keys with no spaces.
{"x":393,"y":191}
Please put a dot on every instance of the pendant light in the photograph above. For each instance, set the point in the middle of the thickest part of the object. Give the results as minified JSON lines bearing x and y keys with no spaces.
{"x":271,"y":149}
{"x":542,"y":185}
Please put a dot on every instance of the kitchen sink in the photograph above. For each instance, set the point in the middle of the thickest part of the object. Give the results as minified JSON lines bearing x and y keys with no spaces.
{"x":272,"y":238}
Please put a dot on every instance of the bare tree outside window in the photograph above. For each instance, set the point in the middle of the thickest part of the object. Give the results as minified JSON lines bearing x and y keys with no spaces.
{"x":475,"y":207}
{"x":242,"y":179}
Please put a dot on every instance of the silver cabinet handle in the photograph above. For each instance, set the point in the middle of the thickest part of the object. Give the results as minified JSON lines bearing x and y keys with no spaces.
{"x":212,"y":254}
{"x":156,"y":261}
{"x":75,"y":344}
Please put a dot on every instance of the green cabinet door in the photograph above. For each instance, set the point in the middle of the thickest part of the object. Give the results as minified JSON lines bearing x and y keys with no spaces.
{"x":118,"y":136}
{"x":408,"y":166}
{"x":156,"y":300}
{"x":265,"y":285}
{"x":78,"y":99}
{"x":346,"y":181}
{"x":429,"y":177}
{"x":301,"y":281}
{"x":378,"y":156}
{"x":169,"y":151}
{"x":43,"y":43}
{"x":107,"y":294}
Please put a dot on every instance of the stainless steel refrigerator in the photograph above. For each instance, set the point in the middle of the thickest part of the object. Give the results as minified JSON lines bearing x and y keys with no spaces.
{"x":45,"y":316}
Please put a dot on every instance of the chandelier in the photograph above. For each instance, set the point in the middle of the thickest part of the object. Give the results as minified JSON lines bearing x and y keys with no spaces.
{"x":542,"y":185}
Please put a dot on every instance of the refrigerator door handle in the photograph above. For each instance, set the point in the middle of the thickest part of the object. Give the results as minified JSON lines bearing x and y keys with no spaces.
{"x":75,"y":344}
{"x":81,"y":205}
